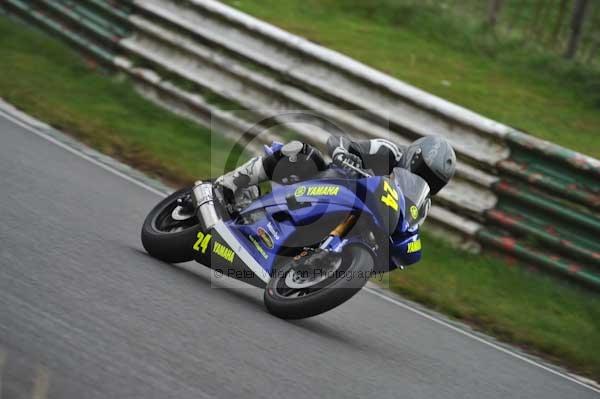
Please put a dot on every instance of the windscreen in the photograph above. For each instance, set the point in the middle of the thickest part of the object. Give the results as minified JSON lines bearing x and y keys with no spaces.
{"x":416,"y":195}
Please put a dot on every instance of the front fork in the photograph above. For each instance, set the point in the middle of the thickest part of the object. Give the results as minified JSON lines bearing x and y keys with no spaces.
{"x":336,"y":237}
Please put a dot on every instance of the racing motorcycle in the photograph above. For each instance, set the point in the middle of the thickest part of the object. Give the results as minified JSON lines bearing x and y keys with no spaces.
{"x":311,"y":245}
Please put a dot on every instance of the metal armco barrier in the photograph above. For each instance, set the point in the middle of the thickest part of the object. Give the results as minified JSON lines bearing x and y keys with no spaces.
{"x":523,"y":196}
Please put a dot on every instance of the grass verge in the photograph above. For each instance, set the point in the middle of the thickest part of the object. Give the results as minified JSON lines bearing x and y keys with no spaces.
{"x":48,"y":80}
{"x":455,"y":58}
{"x":538,"y":313}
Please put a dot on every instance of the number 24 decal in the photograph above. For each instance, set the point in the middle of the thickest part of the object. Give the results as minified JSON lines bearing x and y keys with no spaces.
{"x":202,"y":242}
{"x":391,"y":198}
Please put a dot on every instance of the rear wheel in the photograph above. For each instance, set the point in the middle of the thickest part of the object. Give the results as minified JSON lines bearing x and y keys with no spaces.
{"x":318,"y":282}
{"x":169,"y":232}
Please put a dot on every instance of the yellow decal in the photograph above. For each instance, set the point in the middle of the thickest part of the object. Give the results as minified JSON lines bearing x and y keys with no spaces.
{"x":258,"y":247}
{"x":223,"y":252}
{"x":414,"y":212}
{"x":315,"y":191}
{"x":414,"y":246}
{"x":202,"y":242}
{"x":300,"y":191}
{"x":323,"y":190}
{"x":391,"y":199}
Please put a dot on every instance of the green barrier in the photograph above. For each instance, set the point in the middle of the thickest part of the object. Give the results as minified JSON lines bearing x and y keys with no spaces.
{"x":120,"y":12}
{"x":550,"y":236}
{"x":549,"y":200}
{"x":96,"y":17}
{"x":535,"y":173}
{"x":44,"y":20}
{"x":556,"y":156}
{"x":556,"y":209}
{"x":553,"y":263}
{"x":74,"y":15}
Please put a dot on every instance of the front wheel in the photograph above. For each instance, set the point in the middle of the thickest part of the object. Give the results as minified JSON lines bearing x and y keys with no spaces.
{"x":169,"y":233}
{"x":319,"y":282}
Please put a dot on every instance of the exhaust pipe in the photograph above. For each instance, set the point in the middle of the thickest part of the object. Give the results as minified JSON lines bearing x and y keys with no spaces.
{"x":204,"y":203}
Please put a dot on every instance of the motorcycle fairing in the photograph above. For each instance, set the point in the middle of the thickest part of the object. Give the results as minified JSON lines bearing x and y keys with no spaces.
{"x":226,"y":255}
{"x":267,"y":226}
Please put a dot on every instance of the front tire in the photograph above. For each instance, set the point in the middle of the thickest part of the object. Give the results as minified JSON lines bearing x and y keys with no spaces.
{"x":283,"y":302}
{"x":168,"y":239}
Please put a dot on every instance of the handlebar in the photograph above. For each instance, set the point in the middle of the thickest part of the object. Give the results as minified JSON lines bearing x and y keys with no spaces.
{"x":356,"y":169}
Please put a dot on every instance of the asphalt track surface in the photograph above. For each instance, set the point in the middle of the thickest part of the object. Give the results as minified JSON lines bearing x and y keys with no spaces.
{"x":85,"y":313}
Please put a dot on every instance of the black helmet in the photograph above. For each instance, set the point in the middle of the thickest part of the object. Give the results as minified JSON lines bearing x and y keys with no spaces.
{"x":433,"y":159}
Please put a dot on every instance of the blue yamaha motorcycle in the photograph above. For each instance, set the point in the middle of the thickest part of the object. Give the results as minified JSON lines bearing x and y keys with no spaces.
{"x":311,"y":245}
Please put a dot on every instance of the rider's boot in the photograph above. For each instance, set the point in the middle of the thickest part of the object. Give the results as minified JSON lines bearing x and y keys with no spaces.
{"x":249,"y":174}
{"x":294,"y":162}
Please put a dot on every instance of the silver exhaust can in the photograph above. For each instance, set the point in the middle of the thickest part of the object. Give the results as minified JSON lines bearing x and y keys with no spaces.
{"x":205,"y":205}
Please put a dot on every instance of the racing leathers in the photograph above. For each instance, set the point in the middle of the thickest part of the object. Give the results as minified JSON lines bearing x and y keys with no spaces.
{"x":296,"y":161}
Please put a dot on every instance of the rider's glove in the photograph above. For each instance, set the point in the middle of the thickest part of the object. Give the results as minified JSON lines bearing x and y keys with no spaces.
{"x":343,"y":158}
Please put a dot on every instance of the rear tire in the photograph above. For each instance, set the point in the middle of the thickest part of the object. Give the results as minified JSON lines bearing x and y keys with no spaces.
{"x":170,"y":246}
{"x":357,"y":263}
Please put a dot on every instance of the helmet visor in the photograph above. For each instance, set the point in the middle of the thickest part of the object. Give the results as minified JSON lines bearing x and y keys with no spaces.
{"x":419,"y":167}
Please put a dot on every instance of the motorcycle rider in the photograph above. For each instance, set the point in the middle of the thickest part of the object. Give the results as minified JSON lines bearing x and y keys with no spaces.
{"x":430,"y":157}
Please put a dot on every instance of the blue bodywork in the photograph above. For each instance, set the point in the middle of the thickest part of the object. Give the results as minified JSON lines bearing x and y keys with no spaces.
{"x":271,"y":225}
